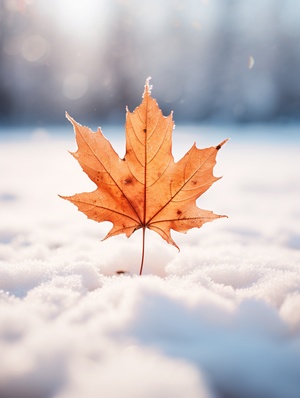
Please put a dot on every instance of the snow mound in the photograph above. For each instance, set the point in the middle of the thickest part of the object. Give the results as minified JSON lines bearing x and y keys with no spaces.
{"x":219,"y":319}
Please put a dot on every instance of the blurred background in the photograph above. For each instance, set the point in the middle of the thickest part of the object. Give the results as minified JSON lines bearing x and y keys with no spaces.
{"x":210,"y":60}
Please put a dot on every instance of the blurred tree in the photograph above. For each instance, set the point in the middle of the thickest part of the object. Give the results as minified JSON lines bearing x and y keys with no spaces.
{"x":5,"y":96}
{"x":196,"y":51}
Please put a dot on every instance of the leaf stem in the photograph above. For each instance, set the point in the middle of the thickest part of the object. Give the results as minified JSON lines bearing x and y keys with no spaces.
{"x":143,"y":251}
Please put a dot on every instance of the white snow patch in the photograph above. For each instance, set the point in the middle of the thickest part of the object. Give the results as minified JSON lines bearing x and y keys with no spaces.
{"x":219,"y":319}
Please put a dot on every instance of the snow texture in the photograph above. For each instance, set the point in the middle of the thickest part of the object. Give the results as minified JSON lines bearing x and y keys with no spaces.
{"x":220,"y":319}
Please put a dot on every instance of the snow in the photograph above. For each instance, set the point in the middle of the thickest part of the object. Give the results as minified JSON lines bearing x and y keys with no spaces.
{"x":219,"y":319}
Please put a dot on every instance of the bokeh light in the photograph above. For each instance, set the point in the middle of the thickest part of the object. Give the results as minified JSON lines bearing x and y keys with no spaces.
{"x":75,"y":86}
{"x":212,"y":60}
{"x":34,"y":48}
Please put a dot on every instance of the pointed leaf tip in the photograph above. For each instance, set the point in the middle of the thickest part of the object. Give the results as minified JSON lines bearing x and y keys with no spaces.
{"x":148,"y":87}
{"x":221,"y":144}
{"x":69,"y":117}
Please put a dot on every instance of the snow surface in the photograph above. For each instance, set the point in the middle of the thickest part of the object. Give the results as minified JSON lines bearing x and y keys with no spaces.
{"x":220,"y":319}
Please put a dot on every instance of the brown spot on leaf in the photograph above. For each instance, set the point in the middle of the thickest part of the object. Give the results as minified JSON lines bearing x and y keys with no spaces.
{"x":179,"y":212}
{"x":128,"y":181}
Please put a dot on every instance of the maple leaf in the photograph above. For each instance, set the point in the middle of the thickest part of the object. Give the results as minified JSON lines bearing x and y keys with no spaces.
{"x":145,"y":189}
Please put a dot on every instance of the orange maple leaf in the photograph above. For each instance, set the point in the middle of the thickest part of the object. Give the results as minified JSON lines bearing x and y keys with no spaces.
{"x":145,"y":189}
